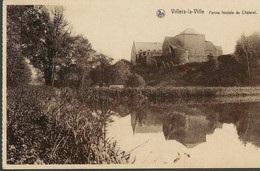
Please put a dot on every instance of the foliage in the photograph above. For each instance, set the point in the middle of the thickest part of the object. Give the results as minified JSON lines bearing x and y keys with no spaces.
{"x":42,"y":34}
{"x":120,"y":72}
{"x":135,"y":80}
{"x":110,"y":97}
{"x":17,"y":71}
{"x":46,"y":126}
{"x":101,"y":73}
{"x":248,"y":46}
{"x":27,"y":125}
{"x":248,"y":54}
{"x":223,"y":71}
{"x":231,"y":72}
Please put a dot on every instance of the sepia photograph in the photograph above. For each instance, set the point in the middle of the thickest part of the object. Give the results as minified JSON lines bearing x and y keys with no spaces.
{"x":130,"y":84}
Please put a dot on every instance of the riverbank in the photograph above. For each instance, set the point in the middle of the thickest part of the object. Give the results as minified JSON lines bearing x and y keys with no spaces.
{"x":167,"y":94}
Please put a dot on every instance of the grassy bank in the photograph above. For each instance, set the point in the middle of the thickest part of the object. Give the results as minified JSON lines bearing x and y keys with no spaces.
{"x":163,"y":94}
{"x":48,"y":126}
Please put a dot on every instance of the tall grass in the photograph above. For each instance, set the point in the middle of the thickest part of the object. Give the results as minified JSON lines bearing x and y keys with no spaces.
{"x":47,"y":126}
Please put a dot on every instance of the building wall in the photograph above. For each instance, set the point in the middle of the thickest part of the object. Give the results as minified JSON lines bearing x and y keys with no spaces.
{"x":166,"y":49}
{"x":187,"y":48}
{"x":133,"y":55}
{"x":210,"y":49}
{"x":213,"y":52}
{"x":182,"y":56}
{"x":195,"y":45}
{"x":220,"y":52}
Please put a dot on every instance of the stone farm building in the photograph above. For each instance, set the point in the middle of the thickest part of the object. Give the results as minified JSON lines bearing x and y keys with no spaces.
{"x":186,"y":47}
{"x":144,"y":52}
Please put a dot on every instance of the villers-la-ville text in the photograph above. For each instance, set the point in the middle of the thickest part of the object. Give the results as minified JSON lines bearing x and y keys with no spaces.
{"x":201,"y":11}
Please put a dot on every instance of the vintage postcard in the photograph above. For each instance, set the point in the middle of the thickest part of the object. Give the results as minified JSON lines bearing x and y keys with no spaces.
{"x":131,"y":84}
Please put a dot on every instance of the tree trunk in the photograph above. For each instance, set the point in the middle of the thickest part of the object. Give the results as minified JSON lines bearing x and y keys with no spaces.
{"x":247,"y":58}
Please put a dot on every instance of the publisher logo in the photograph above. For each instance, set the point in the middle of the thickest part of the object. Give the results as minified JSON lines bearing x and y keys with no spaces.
{"x":160,"y":13}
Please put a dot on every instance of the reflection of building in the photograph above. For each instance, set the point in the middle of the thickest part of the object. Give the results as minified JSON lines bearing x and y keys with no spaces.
{"x":189,"y":130}
{"x":145,"y":122}
{"x":190,"y":126}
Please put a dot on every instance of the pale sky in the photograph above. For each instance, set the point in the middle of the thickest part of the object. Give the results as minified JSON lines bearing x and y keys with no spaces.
{"x":112,"y":25}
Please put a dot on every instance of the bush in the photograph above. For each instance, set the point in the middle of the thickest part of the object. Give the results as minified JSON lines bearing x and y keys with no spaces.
{"x":18,"y":72}
{"x":135,"y":80}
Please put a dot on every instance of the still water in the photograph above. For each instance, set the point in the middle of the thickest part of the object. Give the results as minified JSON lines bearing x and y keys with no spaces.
{"x":222,"y":134}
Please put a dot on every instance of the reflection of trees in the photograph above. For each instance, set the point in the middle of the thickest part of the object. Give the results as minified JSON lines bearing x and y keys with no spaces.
{"x":248,"y":128}
{"x":246,"y":117}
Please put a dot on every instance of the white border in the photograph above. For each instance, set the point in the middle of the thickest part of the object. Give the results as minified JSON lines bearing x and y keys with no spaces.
{"x":4,"y":109}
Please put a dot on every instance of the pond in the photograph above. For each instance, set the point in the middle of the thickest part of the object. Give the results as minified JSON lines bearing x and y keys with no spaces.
{"x":218,"y":133}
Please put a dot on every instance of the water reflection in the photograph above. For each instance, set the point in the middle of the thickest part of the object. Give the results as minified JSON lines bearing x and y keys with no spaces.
{"x":189,"y":130}
{"x":190,"y":124}
{"x":220,"y":134}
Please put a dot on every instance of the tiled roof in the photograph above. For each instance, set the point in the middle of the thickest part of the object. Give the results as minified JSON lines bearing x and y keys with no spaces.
{"x":148,"y":46}
{"x":175,"y":43}
{"x":209,"y":46}
{"x":218,"y":47}
{"x":189,"y":31}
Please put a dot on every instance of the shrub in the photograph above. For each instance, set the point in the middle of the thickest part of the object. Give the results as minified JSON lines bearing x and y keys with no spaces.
{"x":135,"y":80}
{"x":18,"y":72}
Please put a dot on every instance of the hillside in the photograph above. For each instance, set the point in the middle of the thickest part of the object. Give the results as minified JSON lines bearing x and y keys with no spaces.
{"x":224,"y":72}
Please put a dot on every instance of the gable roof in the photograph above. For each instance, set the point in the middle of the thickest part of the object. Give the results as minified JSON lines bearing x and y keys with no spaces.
{"x":175,"y":43}
{"x":190,"y":31}
{"x":148,"y":46}
{"x":218,"y":47}
{"x":209,"y":46}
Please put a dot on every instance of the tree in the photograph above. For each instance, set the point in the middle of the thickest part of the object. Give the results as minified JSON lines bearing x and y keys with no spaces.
{"x":18,"y":72}
{"x":79,"y":65}
{"x":248,"y":50}
{"x":230,"y":72}
{"x":48,"y":42}
{"x":102,"y":70}
{"x":83,"y":56}
{"x":43,"y":35}
{"x":120,"y":72}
